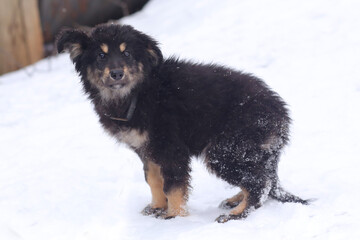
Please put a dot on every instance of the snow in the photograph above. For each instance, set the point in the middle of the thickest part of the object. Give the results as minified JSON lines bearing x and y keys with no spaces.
{"x":62,"y":177}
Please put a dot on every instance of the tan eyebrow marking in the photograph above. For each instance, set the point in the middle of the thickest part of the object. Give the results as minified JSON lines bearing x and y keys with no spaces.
{"x":104,"y":47}
{"x":122,"y":47}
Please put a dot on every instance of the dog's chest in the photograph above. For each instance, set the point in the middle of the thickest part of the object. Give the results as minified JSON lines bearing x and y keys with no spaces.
{"x":133,"y":137}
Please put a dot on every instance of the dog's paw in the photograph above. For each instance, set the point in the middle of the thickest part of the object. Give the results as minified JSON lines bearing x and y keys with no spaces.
{"x":167,"y":215}
{"x":225,"y":218}
{"x":228,"y":205}
{"x":164,"y":216}
{"x":148,"y":210}
{"x":222,"y":218}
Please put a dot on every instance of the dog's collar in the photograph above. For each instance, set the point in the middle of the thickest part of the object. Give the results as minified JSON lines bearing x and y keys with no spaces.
{"x":130,"y":111}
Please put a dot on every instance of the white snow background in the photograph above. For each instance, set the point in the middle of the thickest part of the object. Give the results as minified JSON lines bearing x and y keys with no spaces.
{"x":62,"y":177}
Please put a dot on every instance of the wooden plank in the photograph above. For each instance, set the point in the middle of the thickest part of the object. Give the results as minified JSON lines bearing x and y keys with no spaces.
{"x":34,"y":39}
{"x":11,"y":37}
{"x":20,"y":34}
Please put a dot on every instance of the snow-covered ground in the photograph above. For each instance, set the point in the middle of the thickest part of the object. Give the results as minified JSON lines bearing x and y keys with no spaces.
{"x":62,"y":177}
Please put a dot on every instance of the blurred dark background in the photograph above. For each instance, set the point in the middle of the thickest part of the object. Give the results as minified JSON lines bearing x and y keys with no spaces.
{"x":28,"y":27}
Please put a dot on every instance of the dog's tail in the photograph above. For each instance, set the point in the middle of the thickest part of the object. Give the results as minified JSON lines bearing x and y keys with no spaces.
{"x":281,"y":195}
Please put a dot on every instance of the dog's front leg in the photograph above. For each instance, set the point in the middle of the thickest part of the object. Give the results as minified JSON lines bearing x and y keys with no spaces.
{"x":176,"y":184}
{"x":173,"y":166}
{"x":155,"y":180}
{"x":169,"y":190}
{"x":177,"y":198}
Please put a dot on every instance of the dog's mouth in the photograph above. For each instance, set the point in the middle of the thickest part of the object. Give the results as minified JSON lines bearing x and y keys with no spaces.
{"x":114,"y":85}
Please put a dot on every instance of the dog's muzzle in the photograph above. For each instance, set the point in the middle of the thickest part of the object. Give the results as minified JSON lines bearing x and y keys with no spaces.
{"x":115,"y":79}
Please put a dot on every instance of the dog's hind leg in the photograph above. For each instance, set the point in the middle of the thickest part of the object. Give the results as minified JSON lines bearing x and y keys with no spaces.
{"x":233,"y":201}
{"x":254,"y":196}
{"x":241,"y":163}
{"x":240,"y":211}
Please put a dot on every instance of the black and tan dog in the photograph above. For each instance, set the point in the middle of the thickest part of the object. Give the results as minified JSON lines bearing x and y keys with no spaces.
{"x":169,"y":110}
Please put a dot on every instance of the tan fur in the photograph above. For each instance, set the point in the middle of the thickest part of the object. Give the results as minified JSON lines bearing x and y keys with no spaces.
{"x":106,"y":74}
{"x":122,"y":47}
{"x":104,"y":47}
{"x":134,"y":76}
{"x":141,"y":67}
{"x":243,"y":204}
{"x":236,"y":198}
{"x":154,"y":55}
{"x":133,"y":137}
{"x":98,"y":78}
{"x":95,"y":77}
{"x":176,"y":203}
{"x":75,"y":50}
{"x":126,"y":70}
{"x":156,"y":183}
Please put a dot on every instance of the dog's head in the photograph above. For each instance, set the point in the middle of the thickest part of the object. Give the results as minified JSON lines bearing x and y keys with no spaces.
{"x":113,"y":59}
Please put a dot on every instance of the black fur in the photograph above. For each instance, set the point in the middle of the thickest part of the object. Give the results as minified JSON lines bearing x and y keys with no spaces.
{"x":232,"y":119}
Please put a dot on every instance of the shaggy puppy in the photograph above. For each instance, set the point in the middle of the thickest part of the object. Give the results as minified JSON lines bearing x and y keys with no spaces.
{"x":169,"y":110}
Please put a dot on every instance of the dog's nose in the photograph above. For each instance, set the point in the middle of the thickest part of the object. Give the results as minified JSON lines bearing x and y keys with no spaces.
{"x":116,"y":74}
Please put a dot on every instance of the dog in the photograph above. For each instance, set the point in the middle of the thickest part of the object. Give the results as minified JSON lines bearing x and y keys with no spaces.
{"x":168,"y":110}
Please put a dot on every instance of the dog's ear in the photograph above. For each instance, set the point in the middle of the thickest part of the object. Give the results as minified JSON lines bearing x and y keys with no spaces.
{"x":155,"y":55}
{"x":73,"y":41}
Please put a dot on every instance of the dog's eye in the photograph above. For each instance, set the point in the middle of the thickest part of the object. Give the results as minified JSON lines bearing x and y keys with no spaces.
{"x":126,"y":53}
{"x":102,"y":55}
